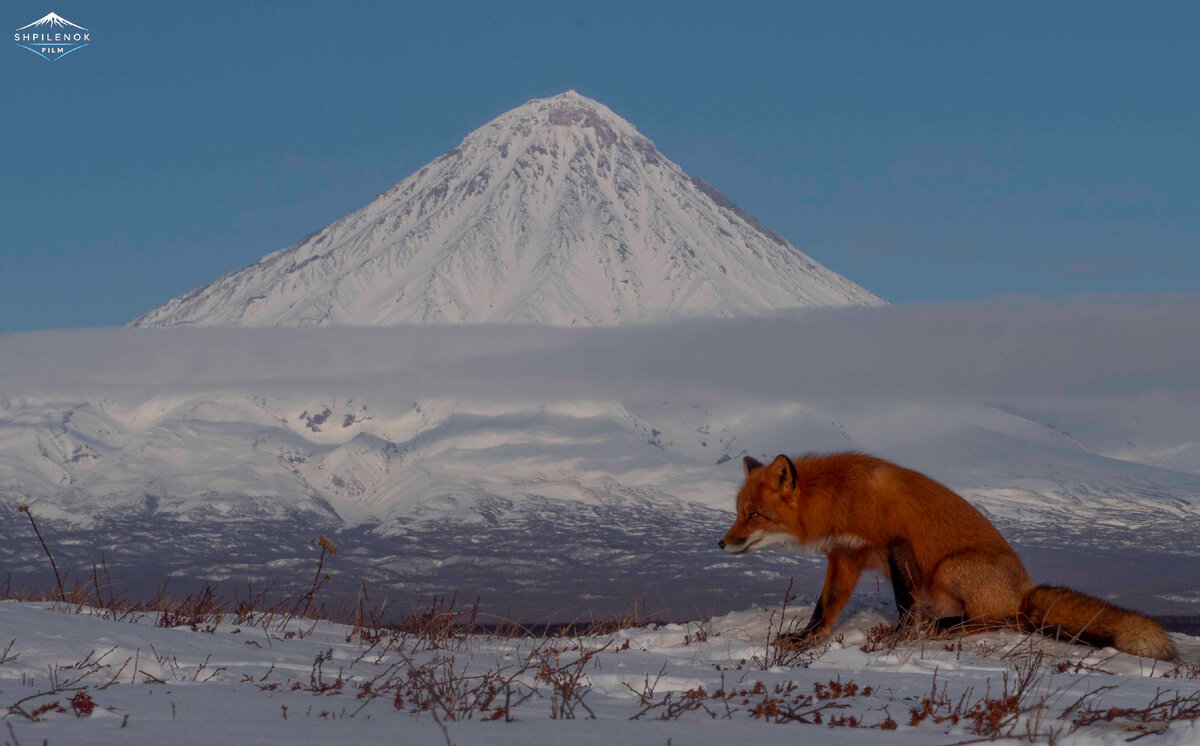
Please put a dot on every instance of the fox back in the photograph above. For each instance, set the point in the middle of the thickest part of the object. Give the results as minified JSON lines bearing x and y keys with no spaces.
{"x":819,"y":501}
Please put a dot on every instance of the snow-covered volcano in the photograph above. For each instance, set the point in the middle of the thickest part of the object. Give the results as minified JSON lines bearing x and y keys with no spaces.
{"x":557,"y":212}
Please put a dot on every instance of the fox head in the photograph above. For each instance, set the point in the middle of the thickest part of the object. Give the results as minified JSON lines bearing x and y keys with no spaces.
{"x":767,"y":507}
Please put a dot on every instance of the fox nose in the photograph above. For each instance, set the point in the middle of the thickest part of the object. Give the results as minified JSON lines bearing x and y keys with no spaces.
{"x":721,"y":544}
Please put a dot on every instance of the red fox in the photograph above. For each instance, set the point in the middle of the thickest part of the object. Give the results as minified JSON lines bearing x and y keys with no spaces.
{"x":947,"y":563}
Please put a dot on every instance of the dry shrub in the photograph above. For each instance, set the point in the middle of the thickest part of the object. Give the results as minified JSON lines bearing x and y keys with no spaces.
{"x":201,"y":612}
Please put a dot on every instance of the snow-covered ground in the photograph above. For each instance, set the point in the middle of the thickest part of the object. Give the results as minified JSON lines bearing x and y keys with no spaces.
{"x":74,"y":676}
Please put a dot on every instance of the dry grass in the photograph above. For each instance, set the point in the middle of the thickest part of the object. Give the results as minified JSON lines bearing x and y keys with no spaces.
{"x":418,"y":670}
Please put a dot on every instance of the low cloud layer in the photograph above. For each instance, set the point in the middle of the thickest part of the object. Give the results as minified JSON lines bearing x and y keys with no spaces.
{"x":1014,"y":348}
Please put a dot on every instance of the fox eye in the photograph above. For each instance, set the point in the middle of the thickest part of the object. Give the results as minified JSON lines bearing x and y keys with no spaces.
{"x":752,"y":516}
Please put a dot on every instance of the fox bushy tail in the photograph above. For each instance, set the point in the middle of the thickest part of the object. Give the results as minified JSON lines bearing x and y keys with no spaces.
{"x":1067,"y":614}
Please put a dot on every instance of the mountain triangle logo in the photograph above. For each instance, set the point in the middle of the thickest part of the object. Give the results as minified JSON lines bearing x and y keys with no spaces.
{"x":52,"y":37}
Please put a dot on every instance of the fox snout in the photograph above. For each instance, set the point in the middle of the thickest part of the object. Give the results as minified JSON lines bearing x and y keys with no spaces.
{"x":732,"y":545}
{"x":736,"y":538}
{"x":741,"y":541}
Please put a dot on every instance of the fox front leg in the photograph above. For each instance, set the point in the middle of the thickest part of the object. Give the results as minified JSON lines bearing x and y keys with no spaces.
{"x":905,"y":575}
{"x":841,"y":577}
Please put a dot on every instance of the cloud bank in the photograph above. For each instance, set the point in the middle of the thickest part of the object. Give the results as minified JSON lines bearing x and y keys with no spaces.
{"x":1013,"y":348}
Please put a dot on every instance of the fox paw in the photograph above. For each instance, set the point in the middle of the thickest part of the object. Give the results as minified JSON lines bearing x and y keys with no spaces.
{"x":799,"y":640}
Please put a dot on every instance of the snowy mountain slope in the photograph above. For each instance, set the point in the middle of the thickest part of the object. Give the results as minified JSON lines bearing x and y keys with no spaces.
{"x":368,"y":462}
{"x":547,"y":469}
{"x":536,"y":505}
{"x":557,"y":212}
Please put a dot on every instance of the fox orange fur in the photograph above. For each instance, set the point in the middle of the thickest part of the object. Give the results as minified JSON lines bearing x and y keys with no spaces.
{"x":946,"y":561}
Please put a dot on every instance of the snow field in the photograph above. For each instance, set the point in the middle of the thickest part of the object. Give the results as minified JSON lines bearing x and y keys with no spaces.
{"x":78,"y":677}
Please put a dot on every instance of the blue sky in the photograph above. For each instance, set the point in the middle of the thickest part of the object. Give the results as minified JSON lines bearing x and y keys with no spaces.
{"x":927,"y":151}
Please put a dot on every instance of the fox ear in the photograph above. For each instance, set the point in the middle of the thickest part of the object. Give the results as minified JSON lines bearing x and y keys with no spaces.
{"x":751,"y":464}
{"x":784,"y":470}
